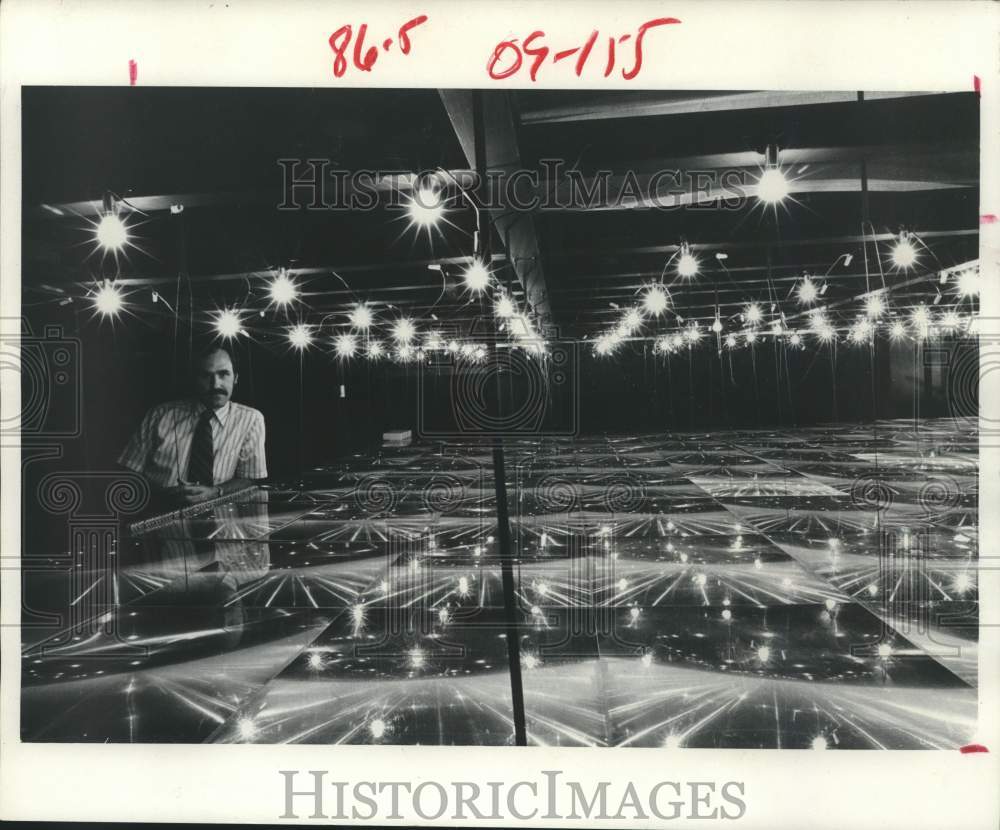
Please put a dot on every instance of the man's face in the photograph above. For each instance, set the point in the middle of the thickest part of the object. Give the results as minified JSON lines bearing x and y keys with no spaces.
{"x":215,"y":378}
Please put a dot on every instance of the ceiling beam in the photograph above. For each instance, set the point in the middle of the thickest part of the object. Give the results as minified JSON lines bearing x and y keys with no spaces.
{"x":516,"y":229}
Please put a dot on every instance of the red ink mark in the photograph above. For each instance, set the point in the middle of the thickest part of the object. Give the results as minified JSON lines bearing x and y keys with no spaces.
{"x":362,"y":58}
{"x":133,"y":72}
{"x":965,"y":750}
{"x":539,"y":54}
{"x":660,"y":21}
{"x":366,"y":62}
{"x":491,"y":64}
{"x":988,"y":219}
{"x":977,"y":85}
{"x":404,"y":37}
{"x":508,"y":57}
{"x":586,"y":52}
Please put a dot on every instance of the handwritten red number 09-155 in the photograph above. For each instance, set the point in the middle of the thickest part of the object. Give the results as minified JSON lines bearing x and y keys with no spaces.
{"x":513,"y":54}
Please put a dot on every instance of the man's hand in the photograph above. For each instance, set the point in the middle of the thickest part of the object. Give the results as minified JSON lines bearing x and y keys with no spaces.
{"x":191,"y":493}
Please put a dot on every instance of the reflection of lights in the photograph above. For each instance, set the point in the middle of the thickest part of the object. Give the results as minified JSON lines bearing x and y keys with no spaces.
{"x":873,"y":589}
{"x":963,"y":582}
{"x":377,"y":728}
{"x":529,"y":661}
{"x":807,"y":291}
{"x":315,"y":660}
{"x":504,"y":307}
{"x":345,"y":345}
{"x":673,"y":741}
{"x":383,"y":586}
{"x":634,"y":614}
{"x":111,"y":232}
{"x":884,"y":650}
{"x":404,"y":330}
{"x":772,"y":186}
{"x":753,"y":313}
{"x":417,"y":658}
{"x":727,"y":615}
{"x":443,"y":616}
{"x":282,"y":289}
{"x":358,"y":615}
{"x":228,"y":324}
{"x":622,"y":584}
{"x":463,"y":586}
{"x":700,"y":580}
{"x":299,"y":336}
{"x":819,"y":742}
{"x":247,"y":728}
{"x":655,"y":301}
{"x":687,"y":263}
{"x":647,"y":659}
{"x":541,"y":588}
{"x":361,"y":316}
{"x":477,"y":277}
{"x":830,"y":604}
{"x":108,"y":300}
{"x":764,"y":654}
{"x":425,"y":207}
{"x":904,"y":255}
{"x":536,"y":611}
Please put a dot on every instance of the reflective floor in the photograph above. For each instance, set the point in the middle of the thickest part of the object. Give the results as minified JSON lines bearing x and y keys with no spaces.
{"x":809,"y":588}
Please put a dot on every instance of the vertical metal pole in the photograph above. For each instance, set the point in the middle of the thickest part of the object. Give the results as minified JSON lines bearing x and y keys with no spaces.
{"x":499,"y":473}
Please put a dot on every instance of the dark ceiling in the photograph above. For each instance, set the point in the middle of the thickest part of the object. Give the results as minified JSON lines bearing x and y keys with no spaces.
{"x":216,"y":151}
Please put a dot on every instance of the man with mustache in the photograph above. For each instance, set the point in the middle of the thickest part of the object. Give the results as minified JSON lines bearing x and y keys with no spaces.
{"x":204,"y":447}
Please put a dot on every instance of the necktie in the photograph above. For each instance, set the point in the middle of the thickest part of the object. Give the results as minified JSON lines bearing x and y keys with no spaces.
{"x":202,"y":452}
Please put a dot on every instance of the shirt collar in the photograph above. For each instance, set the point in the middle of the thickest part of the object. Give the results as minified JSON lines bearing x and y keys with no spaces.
{"x":220,"y":414}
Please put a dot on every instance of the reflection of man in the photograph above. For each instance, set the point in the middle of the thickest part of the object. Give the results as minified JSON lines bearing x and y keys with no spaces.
{"x":207,"y":446}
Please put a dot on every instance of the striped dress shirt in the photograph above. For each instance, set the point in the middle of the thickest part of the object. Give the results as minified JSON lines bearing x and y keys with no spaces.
{"x":161,"y":447}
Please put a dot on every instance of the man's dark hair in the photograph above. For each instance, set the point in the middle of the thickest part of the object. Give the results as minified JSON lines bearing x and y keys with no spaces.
{"x":208,"y":351}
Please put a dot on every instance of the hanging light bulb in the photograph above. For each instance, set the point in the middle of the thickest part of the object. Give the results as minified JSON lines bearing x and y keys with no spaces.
{"x":687,"y":263}
{"x":228,"y":324}
{"x":717,"y":325}
{"x":807,"y":291}
{"x":897,"y":331}
{"x":772,"y":186}
{"x":950,"y":321}
{"x":299,"y":336}
{"x":111,"y":232}
{"x":655,"y":301}
{"x":345,"y":345}
{"x":404,"y":330}
{"x":477,"y":277}
{"x":283,"y":289}
{"x":968,"y":282}
{"x":632,"y":320}
{"x":375,"y":350}
{"x":751,"y":337}
{"x":795,"y":339}
{"x":904,"y":254}
{"x":874,"y":306}
{"x":753,"y":314}
{"x":504,"y":307}
{"x":426,"y":207}
{"x":108,"y":300}
{"x":361,"y":316}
